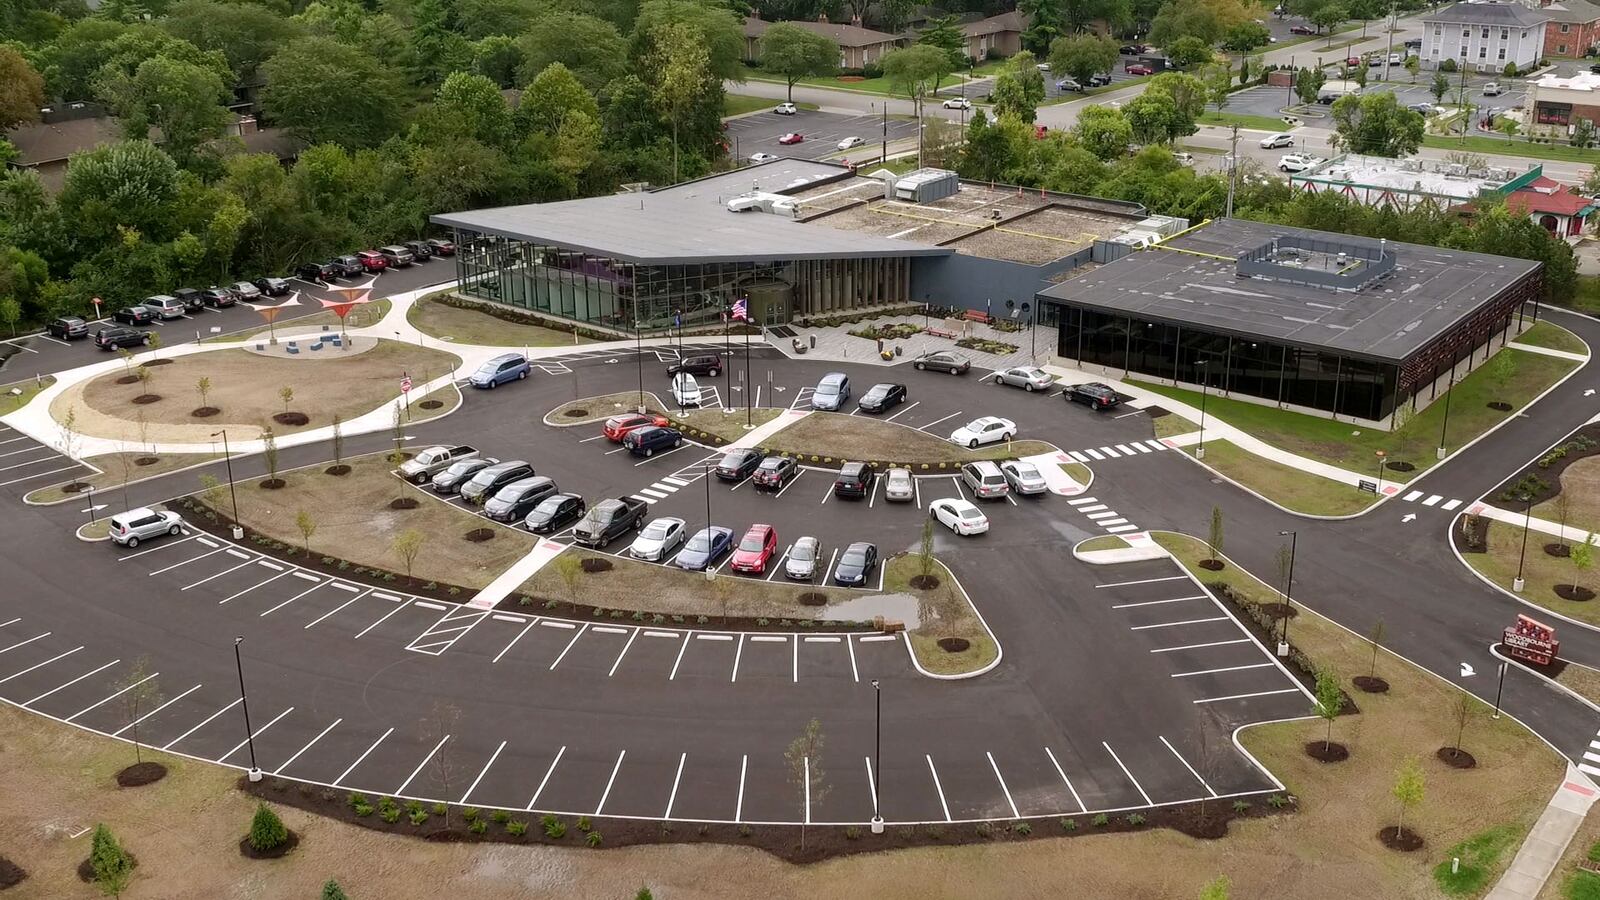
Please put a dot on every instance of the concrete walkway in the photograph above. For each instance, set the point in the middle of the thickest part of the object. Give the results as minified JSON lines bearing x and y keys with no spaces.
{"x":1536,"y":861}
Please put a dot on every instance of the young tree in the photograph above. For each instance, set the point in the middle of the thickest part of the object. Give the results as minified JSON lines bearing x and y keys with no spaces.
{"x":1408,"y":790}
{"x":1439,"y":87}
{"x":1464,"y":708}
{"x":1218,"y":79}
{"x":113,"y":867}
{"x":1501,"y":368}
{"x":1246,"y":36}
{"x":644,"y":894}
{"x":332,"y":891}
{"x":269,"y":454}
{"x":139,"y":691}
{"x":1563,"y":507}
{"x":1582,"y":133}
{"x":407,"y":544}
{"x":795,"y":53}
{"x":443,"y":724}
{"x":1217,"y":890}
{"x":307,"y":526}
{"x":68,"y":434}
{"x":1214,"y":542}
{"x":153,"y":341}
{"x":1375,"y":638}
{"x":10,"y":313}
{"x":286,"y":394}
{"x":682,"y":65}
{"x":143,"y":424}
{"x":1308,"y":84}
{"x":1582,"y":556}
{"x":925,"y":550}
{"x":804,"y":759}
{"x":146,"y":377}
{"x":1330,"y":700}
{"x":211,"y":488}
{"x":203,"y":387}
{"x":570,"y":568}
{"x":1413,"y":65}
{"x":338,"y":440}
{"x":267,"y":831}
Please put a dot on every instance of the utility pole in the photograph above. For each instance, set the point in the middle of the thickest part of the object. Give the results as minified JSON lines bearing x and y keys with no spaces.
{"x":1388,"y":55}
{"x":884,"y":154}
{"x":1233,"y":172}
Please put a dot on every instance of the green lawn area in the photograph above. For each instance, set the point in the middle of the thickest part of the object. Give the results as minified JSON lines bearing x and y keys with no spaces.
{"x":16,"y":395}
{"x":1172,"y":424}
{"x":1587,"y":296}
{"x":1541,"y":571}
{"x":1488,"y":145}
{"x":1103,"y":542}
{"x":1353,"y":447}
{"x":1077,"y":472}
{"x":1243,"y":120}
{"x":1285,"y":485}
{"x":458,"y":325}
{"x":1480,"y":857}
{"x":1553,"y":337}
{"x":739,"y":104}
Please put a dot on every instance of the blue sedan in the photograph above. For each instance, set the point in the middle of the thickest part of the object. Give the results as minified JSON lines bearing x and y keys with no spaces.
{"x":705,"y":548}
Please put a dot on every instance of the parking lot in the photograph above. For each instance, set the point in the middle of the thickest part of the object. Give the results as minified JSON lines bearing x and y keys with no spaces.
{"x":26,"y":464}
{"x":823,"y":131}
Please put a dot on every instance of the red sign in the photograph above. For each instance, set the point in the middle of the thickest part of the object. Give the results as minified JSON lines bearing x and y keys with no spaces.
{"x":405,"y":385}
{"x":1531,"y":640}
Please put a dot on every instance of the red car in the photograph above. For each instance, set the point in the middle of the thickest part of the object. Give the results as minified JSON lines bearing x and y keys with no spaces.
{"x":1352,"y":61}
{"x":792,"y":137}
{"x":1301,"y":29}
{"x":755,"y":550}
{"x":618,"y":427}
{"x":372,"y":260}
{"x":1139,"y":69}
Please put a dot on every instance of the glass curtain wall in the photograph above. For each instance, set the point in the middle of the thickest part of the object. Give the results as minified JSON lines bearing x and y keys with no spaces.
{"x":1300,"y":376}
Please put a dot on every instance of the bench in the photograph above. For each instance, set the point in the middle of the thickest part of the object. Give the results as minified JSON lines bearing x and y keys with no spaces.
{"x":316,"y":345}
{"x":292,"y":348}
{"x":939,"y":332}
{"x":973,"y":315}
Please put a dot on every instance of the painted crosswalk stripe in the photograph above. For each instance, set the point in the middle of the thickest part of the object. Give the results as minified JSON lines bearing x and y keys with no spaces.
{"x":1092,"y":509}
{"x":1585,"y":767}
{"x":1432,"y":500}
{"x":1077,"y":456}
{"x":1093,"y":454}
{"x":645,"y":499}
{"x":1116,"y":529}
{"x":1451,"y":505}
{"x":1110,"y":522}
{"x":1412,"y":497}
{"x":1102,"y":515}
{"x":663,"y":486}
{"x":1110,"y":452}
{"x":1082,"y":500}
{"x":1592,"y":757}
{"x":1125,"y":449}
{"x":1157,"y":445}
{"x":649,"y":493}
{"x":1142,"y":448}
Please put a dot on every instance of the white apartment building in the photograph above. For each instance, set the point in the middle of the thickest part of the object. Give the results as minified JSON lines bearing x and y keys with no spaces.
{"x":1484,"y":36}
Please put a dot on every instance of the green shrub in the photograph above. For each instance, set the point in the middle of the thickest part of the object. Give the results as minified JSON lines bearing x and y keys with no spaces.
{"x":516,"y":828}
{"x":593,"y":839}
{"x":551,"y":604}
{"x":471,"y":813}
{"x":356,"y":799}
{"x":554,"y":828}
{"x":362,"y":809}
{"x":418,"y":817}
{"x":440,"y":809}
{"x":1135,"y":819}
{"x":1100,"y":821}
{"x":744,"y":831}
{"x":852,"y":833}
{"x":1277,"y":801}
{"x":112,"y":865}
{"x":1069,"y":824}
{"x":583,"y":824}
{"x":500,"y":816}
{"x":1240,"y":806}
{"x":983,"y":829}
{"x":413,"y":806}
{"x":266,"y":829}
{"x":478,"y":826}
{"x":1022,"y":828}
{"x":390,"y":815}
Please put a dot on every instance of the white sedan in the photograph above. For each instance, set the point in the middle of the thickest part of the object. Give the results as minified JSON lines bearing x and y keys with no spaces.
{"x":986,"y":430}
{"x":849,"y":142}
{"x":959,"y":516}
{"x":658,"y":539}
{"x":762,"y":157}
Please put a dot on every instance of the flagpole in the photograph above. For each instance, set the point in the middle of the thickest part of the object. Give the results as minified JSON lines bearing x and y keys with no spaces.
{"x":727,"y":351}
{"x":749,"y":412}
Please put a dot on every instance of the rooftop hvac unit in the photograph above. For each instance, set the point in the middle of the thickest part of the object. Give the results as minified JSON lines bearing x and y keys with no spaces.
{"x":1138,"y":240}
{"x":1456,"y":169}
{"x":1165,"y":226}
{"x":927,"y":185}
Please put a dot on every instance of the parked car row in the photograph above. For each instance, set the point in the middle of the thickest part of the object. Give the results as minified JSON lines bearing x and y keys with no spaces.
{"x":667,"y":540}
{"x":367,"y":262}
{"x":507,"y":491}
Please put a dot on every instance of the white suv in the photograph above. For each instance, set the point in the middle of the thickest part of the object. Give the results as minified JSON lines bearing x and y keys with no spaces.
{"x":135,"y":525}
{"x":1281,"y":139}
{"x":785,"y":109}
{"x":1297,"y":162}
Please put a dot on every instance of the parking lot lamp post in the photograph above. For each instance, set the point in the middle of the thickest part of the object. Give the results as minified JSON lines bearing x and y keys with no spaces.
{"x":227,"y":459}
{"x":249,"y":734}
{"x":1200,"y":449}
{"x":1288,"y":591}
{"x":1380,"y":454}
{"x":1449,"y":389}
{"x":1527,"y":519}
{"x":877,"y":752}
{"x":1033,"y":336}
{"x":638,"y":354}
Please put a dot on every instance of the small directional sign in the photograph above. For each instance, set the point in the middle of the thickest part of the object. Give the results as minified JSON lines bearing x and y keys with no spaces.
{"x":1467,"y":671}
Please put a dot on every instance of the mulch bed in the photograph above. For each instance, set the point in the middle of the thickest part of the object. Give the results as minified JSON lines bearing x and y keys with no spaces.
{"x":1399,"y":465}
{"x":813,"y":598}
{"x":594,"y":564}
{"x":1371,"y":684}
{"x":1279,"y":611}
{"x":155,"y":362}
{"x":336,"y":471}
{"x":954,"y":644}
{"x":1499,"y":406}
{"x":403,"y":503}
{"x":86,"y":868}
{"x":1574,"y":593}
{"x":11,"y":874}
{"x":1265,"y":629}
{"x":479,"y":535}
{"x":1403,"y":839}
{"x":75,"y":487}
{"x":431,"y":404}
{"x":141,"y":774}
{"x":247,"y":850}
{"x":146,"y":399}
{"x":1327,"y":752}
{"x":204,"y":412}
{"x":1558,"y":550}
{"x":1551,"y":474}
{"x":147,"y":460}
{"x":292,"y":419}
{"x":127,"y":379}
{"x":782,"y":841}
{"x":924,"y":582}
{"x":576,"y":413}
{"x":1474,"y":534}
{"x":272,"y":484}
{"x":1212,"y":565}
{"x":1456,"y":758}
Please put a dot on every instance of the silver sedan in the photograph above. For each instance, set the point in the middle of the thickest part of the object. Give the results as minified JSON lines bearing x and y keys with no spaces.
{"x":1029,"y":378}
{"x":1024,"y":477}
{"x":658,"y":539}
{"x":801,"y":563}
{"x":897,"y":485}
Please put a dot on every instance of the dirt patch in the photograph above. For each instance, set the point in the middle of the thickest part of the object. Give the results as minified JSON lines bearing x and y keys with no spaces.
{"x":479,"y":535}
{"x":147,"y":399}
{"x":924,"y":582}
{"x":1399,"y":465}
{"x":576,"y":412}
{"x":403,"y":503}
{"x":431,"y":404}
{"x":1327,"y":751}
{"x":11,"y":874}
{"x":204,"y":412}
{"x":337,"y":471}
{"x":75,"y":487}
{"x":814,"y":598}
{"x":1279,"y":611}
{"x":1456,"y":758}
{"x":1213,"y":565}
{"x":595,"y":564}
{"x":1574,"y":592}
{"x":1402,"y":839}
{"x":1499,"y":406}
{"x":954,"y":644}
{"x":248,"y":850}
{"x":271,"y":484}
{"x":1371,"y":684}
{"x":127,"y":379}
{"x":1473,"y":534}
{"x":1561,"y":551}
{"x":140,"y":774}
{"x":146,"y":460}
{"x":291,"y":419}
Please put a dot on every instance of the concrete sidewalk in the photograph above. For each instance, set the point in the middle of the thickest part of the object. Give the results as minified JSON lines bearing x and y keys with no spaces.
{"x":1539,"y":855}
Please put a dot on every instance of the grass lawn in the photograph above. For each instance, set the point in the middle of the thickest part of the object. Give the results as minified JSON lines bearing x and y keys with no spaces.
{"x":1077,"y":472}
{"x":739,"y":104}
{"x":1568,"y":882}
{"x":114,"y":467}
{"x":244,"y":385}
{"x":1580,"y":484}
{"x":728,"y":426}
{"x":826,"y":438}
{"x":1243,"y":120}
{"x":18,"y":394}
{"x":899,"y":166}
{"x":1340,"y":443}
{"x":1286,"y":485}
{"x":1103,"y":542}
{"x":469,"y":326}
{"x":599,"y":408}
{"x":353,"y":516}
{"x":946,"y":612}
{"x":1553,"y":337}
{"x":1582,"y":680}
{"x":1502,"y":147}
{"x":1343,"y":806}
{"x":1480,"y":855}
{"x":1172,"y":425}
{"x":1541,"y":571}
{"x":1586,"y":298}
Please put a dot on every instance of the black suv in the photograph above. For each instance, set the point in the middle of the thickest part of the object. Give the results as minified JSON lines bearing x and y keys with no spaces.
{"x":737,"y":465}
{"x":218,"y":297}
{"x":190,"y":298}
{"x":272,"y":287}
{"x":709,"y":366}
{"x":855,"y":480}
{"x":67,"y":328}
{"x":422,"y":250}
{"x":112,"y":338}
{"x":314,"y":271}
{"x":1097,"y":395}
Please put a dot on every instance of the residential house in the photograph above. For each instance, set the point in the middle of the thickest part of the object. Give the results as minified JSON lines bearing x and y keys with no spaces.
{"x":995,"y":36}
{"x":1484,"y":36}
{"x":1573,"y":28}
{"x":858,"y":46}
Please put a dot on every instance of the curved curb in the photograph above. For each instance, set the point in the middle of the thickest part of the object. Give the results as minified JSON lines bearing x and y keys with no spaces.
{"x":1545,"y":678}
{"x":78,"y":533}
{"x":1271,"y":502}
{"x":1101,"y":557}
{"x":1517,"y":597}
{"x":546,"y":417}
{"x":999,"y":651}
{"x":27,"y":498}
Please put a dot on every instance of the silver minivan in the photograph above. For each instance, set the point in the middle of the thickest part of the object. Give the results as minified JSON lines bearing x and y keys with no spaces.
{"x":142,"y":524}
{"x":165,"y":306}
{"x":985,"y":480}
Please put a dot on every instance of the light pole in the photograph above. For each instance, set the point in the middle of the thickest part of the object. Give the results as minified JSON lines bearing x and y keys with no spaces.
{"x":706,"y":470}
{"x":1033,"y":335}
{"x":1450,"y":389}
{"x":727,"y":352}
{"x":227,"y":458}
{"x":1498,"y":688}
{"x":1380,"y":454}
{"x":877,"y":752}
{"x":1288,"y":591}
{"x":249,"y":733}
{"x":1527,"y":519}
{"x":1200,"y":450}
{"x":638,"y":352}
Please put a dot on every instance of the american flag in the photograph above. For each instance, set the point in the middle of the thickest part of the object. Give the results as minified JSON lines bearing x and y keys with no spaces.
{"x":741,"y":309}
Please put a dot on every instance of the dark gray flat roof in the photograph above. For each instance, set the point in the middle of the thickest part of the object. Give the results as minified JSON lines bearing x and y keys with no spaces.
{"x":1431,"y":290}
{"x":689,"y":223}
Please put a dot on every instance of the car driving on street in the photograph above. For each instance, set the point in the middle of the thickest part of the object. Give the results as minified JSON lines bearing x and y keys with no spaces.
{"x":960,"y":516}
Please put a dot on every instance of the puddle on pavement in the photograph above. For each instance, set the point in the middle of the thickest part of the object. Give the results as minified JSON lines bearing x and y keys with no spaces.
{"x":897,"y":607}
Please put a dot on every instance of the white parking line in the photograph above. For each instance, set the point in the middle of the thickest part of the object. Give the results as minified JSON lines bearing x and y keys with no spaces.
{"x":546,"y":779}
{"x":185,"y":562}
{"x":903,"y":411}
{"x":1015,"y":814}
{"x":252,"y":587}
{"x":1199,"y":646}
{"x":577,"y":634}
{"x":492,"y":757}
{"x":1247,"y":696}
{"x":258,"y":732}
{"x":135,"y":722}
{"x":1265,"y":665}
{"x":924,"y":428}
{"x":624,"y":652}
{"x":1147,"y":800}
{"x":1153,"y":602}
{"x":380,"y":621}
{"x":1187,"y":766}
{"x":737,"y":653}
{"x":203,"y":723}
{"x":297,"y":753}
{"x":414,"y":772}
{"x":1064,"y":778}
{"x":1173,"y":624}
{"x":41,"y":665}
{"x":682,"y":757}
{"x":26,"y":641}
{"x":507,"y":648}
{"x":70,"y":683}
{"x":364,"y":755}
{"x":796,"y":644}
{"x":110,"y":698}
{"x":293,"y":599}
{"x":738,"y":807}
{"x":39,"y":475}
{"x":937,"y":787}
{"x":340,"y":606}
{"x":11,"y":621}
{"x":609,"y":781}
{"x":853,"y":672}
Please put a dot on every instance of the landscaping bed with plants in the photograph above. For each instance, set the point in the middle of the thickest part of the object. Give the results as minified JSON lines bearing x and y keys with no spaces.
{"x":986,"y":345}
{"x":893,"y":332}
{"x":950,"y":639}
{"x":1566,"y":584}
{"x":867,"y":316}
{"x":882,"y":444}
{"x":1541,"y":480}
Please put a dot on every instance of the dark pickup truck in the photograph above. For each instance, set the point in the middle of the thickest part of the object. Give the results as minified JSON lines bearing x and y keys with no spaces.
{"x":609,"y":520}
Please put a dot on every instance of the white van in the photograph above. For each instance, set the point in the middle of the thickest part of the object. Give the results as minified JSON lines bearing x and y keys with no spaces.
{"x":165,"y":306}
{"x":685,"y":390}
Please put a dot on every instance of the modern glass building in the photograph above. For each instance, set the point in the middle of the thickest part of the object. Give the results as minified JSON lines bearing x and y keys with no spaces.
{"x":1308,"y":320}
